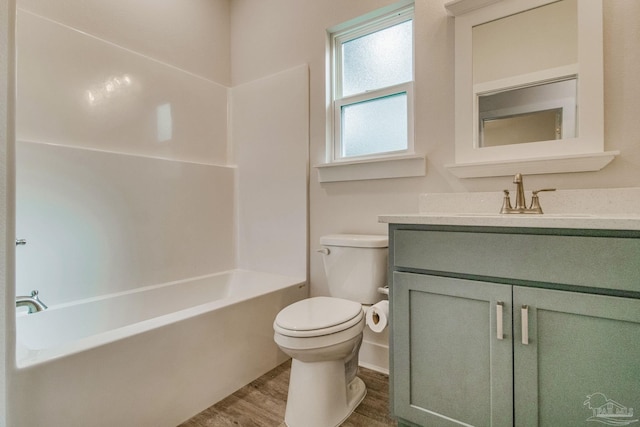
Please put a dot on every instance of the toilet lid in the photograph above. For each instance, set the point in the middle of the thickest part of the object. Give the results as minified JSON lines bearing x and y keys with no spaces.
{"x":317,"y":313}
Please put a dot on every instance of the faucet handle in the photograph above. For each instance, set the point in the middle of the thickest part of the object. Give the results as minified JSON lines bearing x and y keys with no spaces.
{"x":535,"y":193}
{"x":535,"y":201}
{"x":506,"y":203}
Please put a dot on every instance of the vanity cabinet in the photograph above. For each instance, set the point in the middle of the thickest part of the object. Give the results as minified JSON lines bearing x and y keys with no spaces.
{"x":496,"y":326}
{"x":446,"y":360}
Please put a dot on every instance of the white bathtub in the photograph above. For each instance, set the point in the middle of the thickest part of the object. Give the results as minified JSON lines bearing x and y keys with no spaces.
{"x":152,"y":357}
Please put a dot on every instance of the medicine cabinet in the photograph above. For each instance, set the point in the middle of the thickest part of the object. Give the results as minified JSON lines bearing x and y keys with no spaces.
{"x":528,"y":87}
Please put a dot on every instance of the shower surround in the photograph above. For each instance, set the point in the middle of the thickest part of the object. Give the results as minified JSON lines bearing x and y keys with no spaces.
{"x":136,"y":168}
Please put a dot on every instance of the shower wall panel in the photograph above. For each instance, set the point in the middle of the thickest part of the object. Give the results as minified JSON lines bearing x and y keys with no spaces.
{"x":97,"y":223}
{"x":122,"y":166}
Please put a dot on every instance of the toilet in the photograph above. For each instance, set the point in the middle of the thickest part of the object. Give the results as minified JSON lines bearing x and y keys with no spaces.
{"x":322,"y":335}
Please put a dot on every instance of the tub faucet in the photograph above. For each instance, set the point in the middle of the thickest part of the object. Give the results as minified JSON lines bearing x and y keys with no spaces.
{"x":33,"y":303}
{"x":521,"y":204}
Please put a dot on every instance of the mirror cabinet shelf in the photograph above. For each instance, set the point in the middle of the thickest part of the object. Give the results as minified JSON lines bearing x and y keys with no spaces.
{"x":533,"y":166}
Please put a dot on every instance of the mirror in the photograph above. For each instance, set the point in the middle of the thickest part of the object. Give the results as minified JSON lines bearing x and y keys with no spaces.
{"x":521,"y":44}
{"x":542,"y":112}
{"x":515,"y":46}
{"x":528,"y":87}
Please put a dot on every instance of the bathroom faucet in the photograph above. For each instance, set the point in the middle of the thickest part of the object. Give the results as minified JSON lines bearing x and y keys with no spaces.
{"x":33,"y":303}
{"x":521,"y":204}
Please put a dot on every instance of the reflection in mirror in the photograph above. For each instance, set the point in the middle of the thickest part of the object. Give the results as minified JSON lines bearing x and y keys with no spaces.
{"x":541,"y":112}
{"x":521,"y":128}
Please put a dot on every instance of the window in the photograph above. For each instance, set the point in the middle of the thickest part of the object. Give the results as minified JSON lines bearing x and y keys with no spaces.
{"x":372,"y":88}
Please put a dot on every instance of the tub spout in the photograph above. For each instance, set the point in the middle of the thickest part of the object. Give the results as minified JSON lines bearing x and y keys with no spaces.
{"x":33,"y":303}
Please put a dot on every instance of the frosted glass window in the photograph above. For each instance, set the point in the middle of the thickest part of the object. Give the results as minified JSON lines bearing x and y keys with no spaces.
{"x":380,"y":59}
{"x":375,"y":126}
{"x":372,"y":87}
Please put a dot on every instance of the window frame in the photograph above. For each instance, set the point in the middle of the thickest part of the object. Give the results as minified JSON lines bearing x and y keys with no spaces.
{"x":403,"y":13}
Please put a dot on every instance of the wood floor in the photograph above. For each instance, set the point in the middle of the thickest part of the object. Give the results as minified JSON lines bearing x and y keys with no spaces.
{"x":262,"y":403}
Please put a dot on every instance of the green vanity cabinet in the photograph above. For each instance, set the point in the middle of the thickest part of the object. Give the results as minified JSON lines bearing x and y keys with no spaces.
{"x":578,"y":345}
{"x":484,"y":346}
{"x":447,"y":360}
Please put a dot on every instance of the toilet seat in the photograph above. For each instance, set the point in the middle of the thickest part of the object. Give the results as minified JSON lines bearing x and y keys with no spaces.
{"x":318,"y":316}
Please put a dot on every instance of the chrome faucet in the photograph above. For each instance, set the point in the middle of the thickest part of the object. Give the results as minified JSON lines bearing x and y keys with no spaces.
{"x":33,"y":303}
{"x":521,"y":204}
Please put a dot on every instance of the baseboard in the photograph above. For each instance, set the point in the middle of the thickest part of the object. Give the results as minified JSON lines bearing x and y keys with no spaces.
{"x":374,"y":356}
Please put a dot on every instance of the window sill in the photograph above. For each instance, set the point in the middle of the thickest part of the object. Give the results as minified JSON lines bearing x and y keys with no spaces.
{"x":559,"y":164}
{"x":381,"y":168}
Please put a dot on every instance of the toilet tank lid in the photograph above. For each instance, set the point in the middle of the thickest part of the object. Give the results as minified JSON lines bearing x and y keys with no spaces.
{"x":355,"y":240}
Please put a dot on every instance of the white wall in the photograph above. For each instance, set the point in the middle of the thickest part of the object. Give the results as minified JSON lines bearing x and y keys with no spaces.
{"x":98,"y":223}
{"x":270,"y":132}
{"x":121,"y":157}
{"x":76,"y":89}
{"x":192,"y":36}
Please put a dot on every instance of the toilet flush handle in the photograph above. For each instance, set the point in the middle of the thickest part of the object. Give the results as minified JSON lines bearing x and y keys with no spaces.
{"x":324,"y":251}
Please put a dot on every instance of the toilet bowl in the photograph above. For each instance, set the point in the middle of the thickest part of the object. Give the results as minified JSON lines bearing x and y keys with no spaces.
{"x":323,"y":334}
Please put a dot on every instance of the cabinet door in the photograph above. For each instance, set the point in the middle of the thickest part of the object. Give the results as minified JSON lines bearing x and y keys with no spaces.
{"x":581,"y":359}
{"x":449,"y":367}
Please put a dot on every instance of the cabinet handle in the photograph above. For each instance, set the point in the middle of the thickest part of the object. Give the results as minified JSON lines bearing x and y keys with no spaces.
{"x":499,"y":307}
{"x":524,"y":312}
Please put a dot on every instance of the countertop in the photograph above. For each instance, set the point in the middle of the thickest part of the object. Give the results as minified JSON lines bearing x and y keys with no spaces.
{"x":604,"y":209}
{"x":600,"y":222}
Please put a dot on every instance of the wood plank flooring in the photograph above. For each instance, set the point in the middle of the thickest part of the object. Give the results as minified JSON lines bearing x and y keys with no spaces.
{"x":262,"y":403}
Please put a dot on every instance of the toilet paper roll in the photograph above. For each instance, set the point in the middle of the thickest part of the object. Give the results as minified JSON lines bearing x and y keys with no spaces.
{"x":377,"y":317}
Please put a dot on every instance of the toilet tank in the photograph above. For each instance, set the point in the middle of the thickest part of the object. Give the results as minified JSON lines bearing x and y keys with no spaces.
{"x":355,"y":265}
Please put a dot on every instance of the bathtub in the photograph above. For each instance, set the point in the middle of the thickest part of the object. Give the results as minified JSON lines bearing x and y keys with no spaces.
{"x":151,"y":357}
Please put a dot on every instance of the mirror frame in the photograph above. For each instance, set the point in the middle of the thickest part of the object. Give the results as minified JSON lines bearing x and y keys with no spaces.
{"x":582,"y":153}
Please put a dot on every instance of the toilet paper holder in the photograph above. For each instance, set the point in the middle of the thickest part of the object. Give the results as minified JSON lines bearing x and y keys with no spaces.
{"x":377,"y":316}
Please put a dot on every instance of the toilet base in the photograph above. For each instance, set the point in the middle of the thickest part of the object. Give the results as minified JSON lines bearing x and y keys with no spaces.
{"x":318,"y":395}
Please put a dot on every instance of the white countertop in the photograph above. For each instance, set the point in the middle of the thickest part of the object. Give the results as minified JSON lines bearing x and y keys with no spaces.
{"x":606,"y":209}
{"x":608,"y":222}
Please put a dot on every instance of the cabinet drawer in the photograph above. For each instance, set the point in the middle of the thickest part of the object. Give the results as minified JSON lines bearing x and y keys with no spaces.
{"x":600,"y":262}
